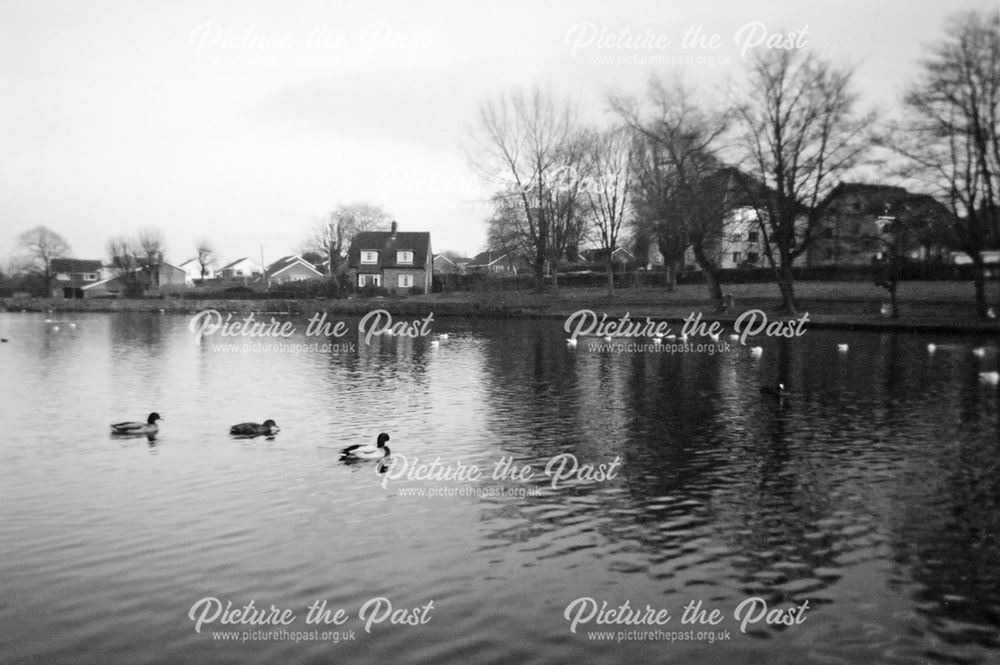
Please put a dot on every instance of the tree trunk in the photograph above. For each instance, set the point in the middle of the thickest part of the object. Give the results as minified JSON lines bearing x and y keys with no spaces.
{"x":711,"y":272}
{"x":979,"y":280}
{"x":611,"y":277}
{"x":539,"y":270}
{"x":670,"y":268}
{"x":786,"y":284}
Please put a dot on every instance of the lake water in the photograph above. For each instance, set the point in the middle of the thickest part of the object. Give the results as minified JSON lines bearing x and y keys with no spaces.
{"x":872,"y":492}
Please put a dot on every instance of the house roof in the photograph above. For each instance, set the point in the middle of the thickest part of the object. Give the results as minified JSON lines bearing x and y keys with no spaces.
{"x":101,"y":283}
{"x":286,"y":262}
{"x":879,"y":200}
{"x":597,"y":253}
{"x":230,"y":265}
{"x":74,"y":265}
{"x":387,"y":244}
{"x":487,"y":258}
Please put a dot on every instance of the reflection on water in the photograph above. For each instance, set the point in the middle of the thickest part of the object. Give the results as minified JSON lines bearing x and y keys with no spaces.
{"x":872,"y":491}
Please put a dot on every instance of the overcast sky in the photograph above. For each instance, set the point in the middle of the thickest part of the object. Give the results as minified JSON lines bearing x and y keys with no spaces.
{"x":244,"y":121}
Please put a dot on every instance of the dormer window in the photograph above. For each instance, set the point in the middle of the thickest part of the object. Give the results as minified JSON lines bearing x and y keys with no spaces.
{"x":90,"y":276}
{"x":369,"y":258}
{"x":404,"y":256}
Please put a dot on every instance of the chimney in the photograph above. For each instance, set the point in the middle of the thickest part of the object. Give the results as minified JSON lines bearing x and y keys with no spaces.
{"x":393,"y":229}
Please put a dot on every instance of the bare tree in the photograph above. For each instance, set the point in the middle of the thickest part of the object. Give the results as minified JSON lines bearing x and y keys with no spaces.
{"x":38,"y":247}
{"x":126,"y":261}
{"x":331,"y":237}
{"x":507,"y":230}
{"x":651,"y":220}
{"x":152,"y":246}
{"x":206,"y":256}
{"x":908,"y":222}
{"x":531,"y":148}
{"x":606,"y":190}
{"x":950,"y":135}
{"x":678,"y":183}
{"x":799,"y":134}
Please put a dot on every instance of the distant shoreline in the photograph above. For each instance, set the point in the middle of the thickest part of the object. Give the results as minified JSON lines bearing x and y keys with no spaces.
{"x":927,"y":307}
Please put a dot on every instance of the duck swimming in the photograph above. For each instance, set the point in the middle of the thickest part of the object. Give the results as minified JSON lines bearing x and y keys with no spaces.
{"x":777,"y":390}
{"x":134,"y":427}
{"x":266,"y":428}
{"x":366,"y":450}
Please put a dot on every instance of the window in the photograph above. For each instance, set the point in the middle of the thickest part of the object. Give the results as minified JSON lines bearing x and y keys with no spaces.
{"x":752,"y":237}
{"x":736,"y":258}
{"x":405,"y":281}
{"x":368,"y":257}
{"x":403,"y":256}
{"x":369,"y":280}
{"x":90,"y":276}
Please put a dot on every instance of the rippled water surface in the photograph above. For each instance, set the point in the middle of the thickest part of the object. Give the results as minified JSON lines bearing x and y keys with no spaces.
{"x":872,"y":492}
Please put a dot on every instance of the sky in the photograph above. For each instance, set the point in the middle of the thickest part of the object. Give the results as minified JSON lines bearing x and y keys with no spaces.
{"x":246,"y":121}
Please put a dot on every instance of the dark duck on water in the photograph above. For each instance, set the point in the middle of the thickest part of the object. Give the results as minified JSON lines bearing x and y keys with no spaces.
{"x":135,"y":427}
{"x":266,"y":428}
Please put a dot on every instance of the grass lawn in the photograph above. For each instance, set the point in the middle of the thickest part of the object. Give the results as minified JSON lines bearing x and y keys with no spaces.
{"x":920,"y":302}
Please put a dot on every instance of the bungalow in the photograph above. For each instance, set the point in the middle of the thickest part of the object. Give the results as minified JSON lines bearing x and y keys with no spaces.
{"x":498,"y":263}
{"x":109,"y":287}
{"x":192,"y":270}
{"x":446,"y":266}
{"x":240,"y":269}
{"x":396,"y":261}
{"x":290,"y":269}
{"x":70,"y":276}
{"x":166,"y":275}
{"x":620,"y":257}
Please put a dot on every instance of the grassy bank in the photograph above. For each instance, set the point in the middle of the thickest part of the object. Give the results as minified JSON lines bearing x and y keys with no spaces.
{"x":930,"y":305}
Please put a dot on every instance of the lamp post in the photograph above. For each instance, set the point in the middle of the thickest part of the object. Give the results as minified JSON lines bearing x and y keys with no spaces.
{"x":889,"y":265}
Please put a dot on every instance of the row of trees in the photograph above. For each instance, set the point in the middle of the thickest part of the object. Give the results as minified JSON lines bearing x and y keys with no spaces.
{"x":672,"y":165}
{"x":36,"y":248}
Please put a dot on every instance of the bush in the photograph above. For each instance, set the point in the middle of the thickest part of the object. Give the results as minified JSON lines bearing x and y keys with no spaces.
{"x":372,"y":291}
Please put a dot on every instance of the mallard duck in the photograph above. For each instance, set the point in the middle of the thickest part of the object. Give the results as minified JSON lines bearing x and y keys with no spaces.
{"x":266,"y":428}
{"x":777,"y":390}
{"x":756,"y":351}
{"x":366,"y":450}
{"x":842,"y":348}
{"x":135,"y":427}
